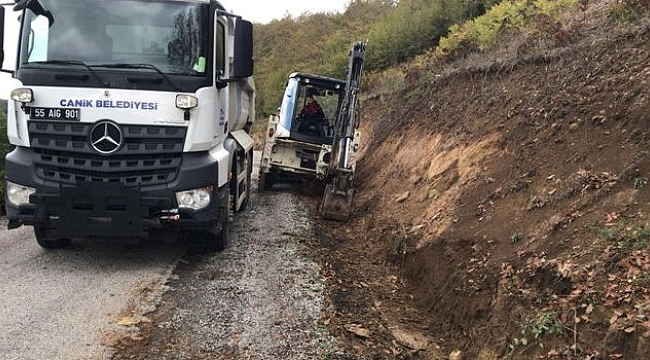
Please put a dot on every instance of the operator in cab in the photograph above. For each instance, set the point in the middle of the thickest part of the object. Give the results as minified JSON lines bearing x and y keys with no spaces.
{"x":312,"y":115}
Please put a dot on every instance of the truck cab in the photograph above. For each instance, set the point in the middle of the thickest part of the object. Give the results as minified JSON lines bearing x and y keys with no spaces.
{"x":131,"y":118}
{"x":298,"y":141}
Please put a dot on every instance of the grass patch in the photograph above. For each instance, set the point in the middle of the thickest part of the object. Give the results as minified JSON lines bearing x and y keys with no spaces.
{"x":547,"y":323}
{"x":626,"y":237}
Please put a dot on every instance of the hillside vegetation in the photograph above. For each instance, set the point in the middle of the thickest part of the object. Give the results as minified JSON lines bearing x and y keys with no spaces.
{"x":319,"y":43}
{"x":502,"y":204}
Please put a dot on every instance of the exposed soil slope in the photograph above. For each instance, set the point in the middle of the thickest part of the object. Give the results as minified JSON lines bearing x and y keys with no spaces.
{"x":503,"y":208}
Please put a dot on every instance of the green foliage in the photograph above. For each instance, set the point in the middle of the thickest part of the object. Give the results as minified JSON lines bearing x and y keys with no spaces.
{"x":513,"y":16}
{"x":628,"y":11}
{"x":515,"y":238}
{"x":547,"y":323}
{"x":640,"y":183}
{"x":396,"y":31}
{"x":626,"y":237}
{"x":415,"y":26}
{"x":319,"y":43}
{"x":316,"y":43}
{"x":386,"y":82}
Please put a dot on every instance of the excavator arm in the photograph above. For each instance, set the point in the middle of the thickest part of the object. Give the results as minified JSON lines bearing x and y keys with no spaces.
{"x":339,"y":190}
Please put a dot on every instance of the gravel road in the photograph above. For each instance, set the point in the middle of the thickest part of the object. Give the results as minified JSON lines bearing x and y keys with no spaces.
{"x":64,"y":304}
{"x":261,"y":298}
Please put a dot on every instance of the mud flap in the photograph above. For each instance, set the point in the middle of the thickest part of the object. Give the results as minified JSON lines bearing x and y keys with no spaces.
{"x":337,"y":203}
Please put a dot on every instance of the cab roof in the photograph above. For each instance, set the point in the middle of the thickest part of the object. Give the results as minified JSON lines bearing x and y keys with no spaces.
{"x":318,"y":80}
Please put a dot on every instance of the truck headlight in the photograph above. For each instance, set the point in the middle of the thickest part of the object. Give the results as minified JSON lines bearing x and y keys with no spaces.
{"x":18,"y":194}
{"x":196,"y":199}
{"x":22,"y":95}
{"x":186,"y":102}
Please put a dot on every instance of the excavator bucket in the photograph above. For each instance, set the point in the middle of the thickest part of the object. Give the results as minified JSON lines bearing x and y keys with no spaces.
{"x":337,"y":204}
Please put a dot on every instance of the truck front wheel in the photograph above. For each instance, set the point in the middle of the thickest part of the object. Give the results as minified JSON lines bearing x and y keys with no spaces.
{"x":46,"y":242}
{"x":219,"y":240}
{"x":265,"y":182}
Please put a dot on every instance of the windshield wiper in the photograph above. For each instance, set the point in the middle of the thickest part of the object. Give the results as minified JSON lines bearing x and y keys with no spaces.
{"x":71,"y":62}
{"x":141,"y":66}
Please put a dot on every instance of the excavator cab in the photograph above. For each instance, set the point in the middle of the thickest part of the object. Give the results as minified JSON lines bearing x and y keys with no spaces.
{"x":310,"y":106}
{"x":299,"y":139}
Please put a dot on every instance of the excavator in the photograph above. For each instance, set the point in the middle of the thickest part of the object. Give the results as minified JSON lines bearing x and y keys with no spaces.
{"x":306,"y":145}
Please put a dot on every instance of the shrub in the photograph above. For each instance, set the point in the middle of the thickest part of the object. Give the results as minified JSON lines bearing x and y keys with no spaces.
{"x":629,"y":11}
{"x":514,"y":16}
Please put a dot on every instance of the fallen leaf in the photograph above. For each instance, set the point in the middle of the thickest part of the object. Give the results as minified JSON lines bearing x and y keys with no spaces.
{"x":127,"y":321}
{"x":410,"y":340}
{"x":357,"y":330}
{"x":455,"y":355}
{"x":403,"y":197}
{"x":132,"y":320}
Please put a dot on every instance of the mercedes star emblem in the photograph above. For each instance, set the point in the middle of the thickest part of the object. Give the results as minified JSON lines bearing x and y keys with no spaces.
{"x":105,"y":137}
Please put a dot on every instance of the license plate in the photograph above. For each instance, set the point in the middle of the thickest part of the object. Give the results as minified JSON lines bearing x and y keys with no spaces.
{"x":63,"y":114}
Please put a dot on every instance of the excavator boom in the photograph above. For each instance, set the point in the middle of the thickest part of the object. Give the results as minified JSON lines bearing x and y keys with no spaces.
{"x":339,"y":190}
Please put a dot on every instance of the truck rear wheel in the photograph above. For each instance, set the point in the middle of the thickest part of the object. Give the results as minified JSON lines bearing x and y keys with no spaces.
{"x":46,"y":242}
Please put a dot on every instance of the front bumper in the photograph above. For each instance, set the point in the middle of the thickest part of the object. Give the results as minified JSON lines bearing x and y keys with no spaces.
{"x":101,"y":208}
{"x":298,"y":158}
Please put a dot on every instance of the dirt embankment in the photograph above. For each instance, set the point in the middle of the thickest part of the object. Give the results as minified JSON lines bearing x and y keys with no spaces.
{"x":503,"y":210}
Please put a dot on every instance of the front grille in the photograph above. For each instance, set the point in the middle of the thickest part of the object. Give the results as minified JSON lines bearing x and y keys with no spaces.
{"x":150,"y":155}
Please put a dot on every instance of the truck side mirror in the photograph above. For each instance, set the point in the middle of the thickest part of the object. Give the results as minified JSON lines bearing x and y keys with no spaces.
{"x":2,"y":35}
{"x":35,"y":7}
{"x":243,"y":62}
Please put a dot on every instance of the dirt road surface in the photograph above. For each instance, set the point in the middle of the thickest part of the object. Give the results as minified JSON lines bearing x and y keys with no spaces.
{"x":261,"y":298}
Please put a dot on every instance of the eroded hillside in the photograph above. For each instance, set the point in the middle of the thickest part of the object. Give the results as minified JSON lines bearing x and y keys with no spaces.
{"x":503,"y":207}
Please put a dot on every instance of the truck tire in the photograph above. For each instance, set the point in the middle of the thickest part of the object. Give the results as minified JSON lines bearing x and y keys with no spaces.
{"x":219,"y":240}
{"x":41,"y":234}
{"x":265,"y":182}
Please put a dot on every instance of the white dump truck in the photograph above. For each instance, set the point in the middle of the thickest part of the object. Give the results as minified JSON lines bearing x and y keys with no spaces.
{"x":131,"y":119}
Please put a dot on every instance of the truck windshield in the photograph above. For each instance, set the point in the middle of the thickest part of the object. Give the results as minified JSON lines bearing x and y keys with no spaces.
{"x":171,"y":36}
